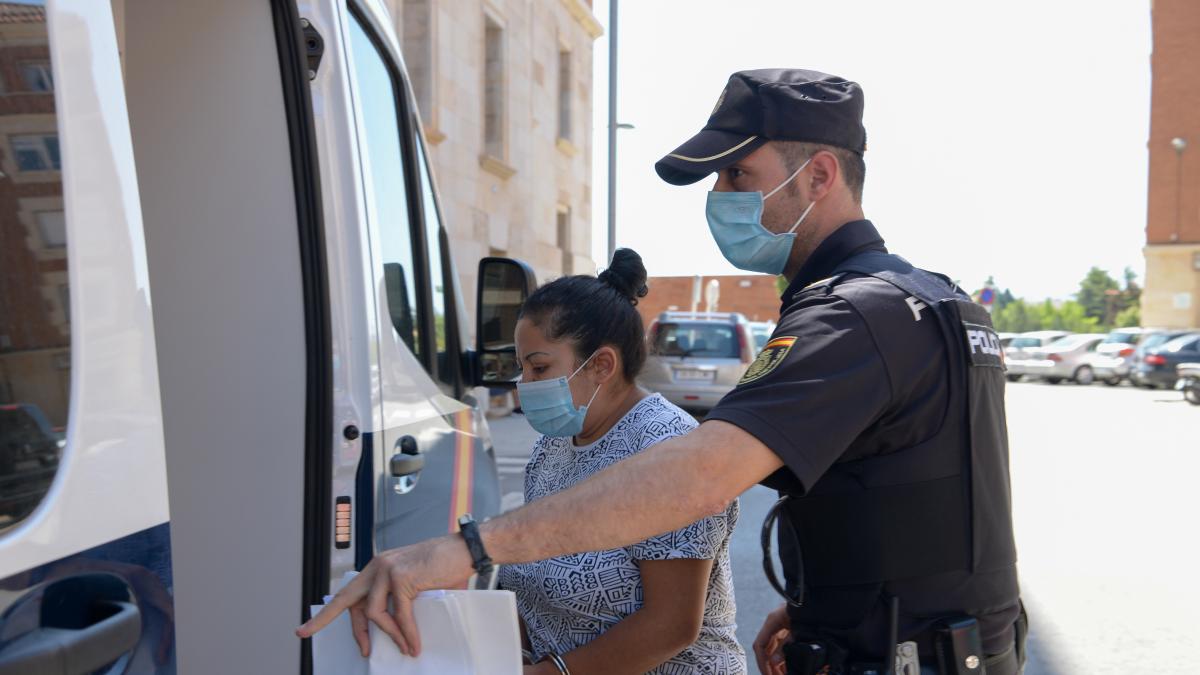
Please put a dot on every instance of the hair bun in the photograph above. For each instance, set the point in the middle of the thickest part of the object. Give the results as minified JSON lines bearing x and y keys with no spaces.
{"x":626,"y":274}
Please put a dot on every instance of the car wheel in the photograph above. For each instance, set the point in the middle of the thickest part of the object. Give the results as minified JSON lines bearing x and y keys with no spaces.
{"x":1053,"y":380}
{"x":1192,"y":395}
{"x":1013,"y":378}
{"x":1084,"y":375}
{"x":1113,"y":381}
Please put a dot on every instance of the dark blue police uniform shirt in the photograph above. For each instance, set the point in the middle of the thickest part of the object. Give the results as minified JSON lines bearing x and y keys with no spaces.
{"x":844,"y":378}
{"x":828,"y":387}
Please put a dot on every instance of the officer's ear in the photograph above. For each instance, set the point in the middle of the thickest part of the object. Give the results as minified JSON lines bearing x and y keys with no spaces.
{"x":826,"y":172}
{"x":605,"y":364}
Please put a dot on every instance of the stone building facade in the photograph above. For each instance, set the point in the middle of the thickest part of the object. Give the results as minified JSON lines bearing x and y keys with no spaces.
{"x":505,"y":92}
{"x":754,"y":295}
{"x":1172,"y":294}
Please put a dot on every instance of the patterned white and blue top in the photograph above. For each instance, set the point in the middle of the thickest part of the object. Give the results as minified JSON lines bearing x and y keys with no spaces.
{"x":568,"y":601}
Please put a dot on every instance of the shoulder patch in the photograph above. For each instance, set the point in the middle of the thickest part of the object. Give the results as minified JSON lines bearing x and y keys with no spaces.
{"x":983,"y":345}
{"x":768,"y":359}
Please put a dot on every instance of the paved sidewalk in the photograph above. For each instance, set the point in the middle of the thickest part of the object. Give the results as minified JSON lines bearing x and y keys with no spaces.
{"x":513,"y":439}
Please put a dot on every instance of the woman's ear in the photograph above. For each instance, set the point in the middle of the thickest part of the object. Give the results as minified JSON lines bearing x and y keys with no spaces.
{"x":605,"y":364}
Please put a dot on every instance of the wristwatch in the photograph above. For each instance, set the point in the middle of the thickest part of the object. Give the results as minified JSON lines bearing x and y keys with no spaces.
{"x":480,"y":560}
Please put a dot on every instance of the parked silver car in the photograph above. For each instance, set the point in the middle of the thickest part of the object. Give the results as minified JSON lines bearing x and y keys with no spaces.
{"x":697,"y":357}
{"x":1114,"y":355}
{"x":761,"y":331}
{"x":1020,"y":347}
{"x":1063,"y":359}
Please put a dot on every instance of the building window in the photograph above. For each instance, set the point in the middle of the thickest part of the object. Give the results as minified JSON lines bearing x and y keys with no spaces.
{"x":564,"y":239}
{"x":493,"y":88}
{"x":52,"y":227}
{"x":36,"y":152}
{"x":37,"y":76}
{"x":564,"y":94}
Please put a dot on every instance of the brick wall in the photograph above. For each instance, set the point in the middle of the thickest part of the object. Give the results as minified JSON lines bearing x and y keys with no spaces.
{"x":754,"y":295}
{"x":1172,"y":289}
{"x":1173,"y":209}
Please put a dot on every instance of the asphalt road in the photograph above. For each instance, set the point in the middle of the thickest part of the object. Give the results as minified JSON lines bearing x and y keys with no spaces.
{"x":1104,"y":507}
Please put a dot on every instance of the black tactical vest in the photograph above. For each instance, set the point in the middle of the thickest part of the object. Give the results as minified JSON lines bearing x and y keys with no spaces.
{"x":942,"y":506}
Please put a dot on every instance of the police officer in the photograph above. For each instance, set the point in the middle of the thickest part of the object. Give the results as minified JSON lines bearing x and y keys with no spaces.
{"x":876,"y":409}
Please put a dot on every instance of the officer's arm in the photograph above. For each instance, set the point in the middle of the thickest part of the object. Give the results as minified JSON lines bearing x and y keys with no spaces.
{"x":670,"y":485}
{"x":664,"y":488}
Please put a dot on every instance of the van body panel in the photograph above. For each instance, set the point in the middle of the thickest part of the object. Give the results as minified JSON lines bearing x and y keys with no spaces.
{"x":215,"y":167}
{"x":354,"y":319}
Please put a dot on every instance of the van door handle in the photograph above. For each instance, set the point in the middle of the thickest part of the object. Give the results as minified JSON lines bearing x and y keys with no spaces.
{"x":51,"y":650}
{"x":408,"y":460}
{"x":406,"y":465}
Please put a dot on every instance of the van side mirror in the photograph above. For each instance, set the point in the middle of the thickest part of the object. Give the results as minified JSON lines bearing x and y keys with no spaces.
{"x":503,"y":286}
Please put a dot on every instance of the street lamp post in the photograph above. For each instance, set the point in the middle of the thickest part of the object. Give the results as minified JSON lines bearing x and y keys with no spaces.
{"x":1179,"y":144}
{"x":612,"y":128}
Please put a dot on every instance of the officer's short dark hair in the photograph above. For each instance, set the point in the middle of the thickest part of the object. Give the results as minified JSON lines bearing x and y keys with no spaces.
{"x":854,"y":169}
{"x":596,"y":311}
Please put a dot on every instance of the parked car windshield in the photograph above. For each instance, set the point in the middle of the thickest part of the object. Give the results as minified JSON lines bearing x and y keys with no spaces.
{"x":696,"y":338}
{"x":1128,"y":336}
{"x":17,"y":424}
{"x":1071,"y":341}
{"x":761,"y":335}
{"x":1156,"y":339}
{"x":1182,"y":342}
{"x":1023,"y":342}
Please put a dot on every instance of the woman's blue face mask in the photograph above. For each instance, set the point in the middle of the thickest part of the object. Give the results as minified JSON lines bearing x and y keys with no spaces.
{"x":735,"y":220}
{"x":550,"y":408}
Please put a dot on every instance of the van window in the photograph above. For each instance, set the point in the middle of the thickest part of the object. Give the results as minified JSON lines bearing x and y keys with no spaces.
{"x":35,"y":316}
{"x":446,"y":364}
{"x":387,"y":197}
{"x":696,"y":338}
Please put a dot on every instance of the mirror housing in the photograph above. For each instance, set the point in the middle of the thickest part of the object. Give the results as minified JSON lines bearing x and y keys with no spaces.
{"x":501,"y":290}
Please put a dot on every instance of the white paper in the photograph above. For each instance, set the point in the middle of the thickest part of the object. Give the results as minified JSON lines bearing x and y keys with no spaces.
{"x":462,"y":633}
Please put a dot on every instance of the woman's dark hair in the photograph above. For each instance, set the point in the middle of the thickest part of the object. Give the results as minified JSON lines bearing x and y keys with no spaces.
{"x":596,"y":311}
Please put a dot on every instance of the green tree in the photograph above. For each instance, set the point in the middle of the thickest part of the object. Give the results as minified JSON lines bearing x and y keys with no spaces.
{"x":1070,"y":316}
{"x":1016,"y":317}
{"x":1099,"y":295}
{"x":1130,"y":316}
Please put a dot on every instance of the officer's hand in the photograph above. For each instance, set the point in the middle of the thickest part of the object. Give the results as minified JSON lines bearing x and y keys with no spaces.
{"x":397,"y":575}
{"x":768,"y":646}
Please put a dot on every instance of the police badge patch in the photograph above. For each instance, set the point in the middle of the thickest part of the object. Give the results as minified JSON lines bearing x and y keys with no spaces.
{"x":768,"y":359}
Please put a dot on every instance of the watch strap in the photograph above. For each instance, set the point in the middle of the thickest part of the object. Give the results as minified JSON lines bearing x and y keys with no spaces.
{"x":469,"y":530}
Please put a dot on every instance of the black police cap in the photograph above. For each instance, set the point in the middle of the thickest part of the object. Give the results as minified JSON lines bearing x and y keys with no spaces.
{"x":778,"y":104}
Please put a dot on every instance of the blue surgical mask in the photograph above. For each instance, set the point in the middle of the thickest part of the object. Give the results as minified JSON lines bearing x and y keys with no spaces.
{"x":735,"y":219}
{"x":549,"y":407}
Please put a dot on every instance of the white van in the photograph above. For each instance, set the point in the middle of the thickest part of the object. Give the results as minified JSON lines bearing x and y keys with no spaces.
{"x":233,"y":358}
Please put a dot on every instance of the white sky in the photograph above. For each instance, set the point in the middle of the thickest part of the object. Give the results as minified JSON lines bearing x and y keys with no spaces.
{"x":1004,"y":138}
